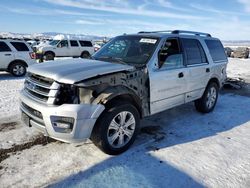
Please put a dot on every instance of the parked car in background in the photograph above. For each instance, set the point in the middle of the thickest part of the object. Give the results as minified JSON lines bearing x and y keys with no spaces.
{"x":131,"y":77}
{"x":228,"y":51}
{"x":33,"y":43}
{"x":62,"y":46}
{"x":241,"y":52}
{"x":15,"y":56}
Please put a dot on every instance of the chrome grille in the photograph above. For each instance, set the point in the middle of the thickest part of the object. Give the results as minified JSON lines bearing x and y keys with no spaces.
{"x":41,"y":88}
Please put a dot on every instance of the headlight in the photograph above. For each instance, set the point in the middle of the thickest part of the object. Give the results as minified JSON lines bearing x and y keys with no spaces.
{"x":68,"y":94}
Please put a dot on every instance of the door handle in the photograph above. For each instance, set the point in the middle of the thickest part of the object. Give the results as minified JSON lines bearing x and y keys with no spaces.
{"x":7,"y":54}
{"x":181,"y":75}
{"x":207,"y":69}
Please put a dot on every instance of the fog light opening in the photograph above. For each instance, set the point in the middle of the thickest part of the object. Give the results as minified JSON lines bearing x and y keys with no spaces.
{"x":63,"y":124}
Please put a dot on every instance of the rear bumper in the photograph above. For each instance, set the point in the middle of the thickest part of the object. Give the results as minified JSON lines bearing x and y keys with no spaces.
{"x":41,"y":117}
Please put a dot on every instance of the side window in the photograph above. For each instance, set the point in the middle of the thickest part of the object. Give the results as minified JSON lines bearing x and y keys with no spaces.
{"x":4,"y":47}
{"x":170,"y":55}
{"x":85,"y":43}
{"x":20,"y":46}
{"x":194,"y":52}
{"x":216,"y":50}
{"x":74,"y":43}
{"x":63,"y":43}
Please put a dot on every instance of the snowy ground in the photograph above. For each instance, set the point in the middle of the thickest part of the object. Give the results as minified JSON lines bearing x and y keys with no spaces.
{"x":177,"y":148}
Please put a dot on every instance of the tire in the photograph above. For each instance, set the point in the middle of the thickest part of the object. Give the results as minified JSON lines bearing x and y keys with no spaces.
{"x":18,"y":69}
{"x":85,"y":55}
{"x":49,"y":56}
{"x":208,"y":100}
{"x":115,"y":138}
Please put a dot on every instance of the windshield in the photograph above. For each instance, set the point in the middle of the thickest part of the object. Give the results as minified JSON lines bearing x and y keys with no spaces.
{"x":53,"y":42}
{"x":134,"y":50}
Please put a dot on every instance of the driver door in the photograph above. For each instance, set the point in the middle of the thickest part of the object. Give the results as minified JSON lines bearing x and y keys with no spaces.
{"x":63,"y":49}
{"x":168,"y":82}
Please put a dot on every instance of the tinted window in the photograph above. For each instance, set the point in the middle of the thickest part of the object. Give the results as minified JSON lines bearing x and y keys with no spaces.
{"x":216,"y":50}
{"x":4,"y":47}
{"x":194,"y":51}
{"x":74,"y":43}
{"x":170,"y":56}
{"x":20,"y":46}
{"x":85,"y":43}
{"x":63,"y":43}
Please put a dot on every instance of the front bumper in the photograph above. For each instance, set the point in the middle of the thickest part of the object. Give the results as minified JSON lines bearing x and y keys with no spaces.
{"x":41,"y":116}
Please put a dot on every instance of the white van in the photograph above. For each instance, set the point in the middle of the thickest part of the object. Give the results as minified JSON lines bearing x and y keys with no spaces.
{"x":65,"y":46}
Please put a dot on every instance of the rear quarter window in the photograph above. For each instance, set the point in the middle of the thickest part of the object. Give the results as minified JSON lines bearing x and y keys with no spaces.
{"x":216,"y":50}
{"x":20,"y":46}
{"x":85,"y":43}
{"x":4,"y":47}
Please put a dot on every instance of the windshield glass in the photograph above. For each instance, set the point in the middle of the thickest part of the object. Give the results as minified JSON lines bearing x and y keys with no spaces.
{"x":134,"y":50}
{"x":53,"y":42}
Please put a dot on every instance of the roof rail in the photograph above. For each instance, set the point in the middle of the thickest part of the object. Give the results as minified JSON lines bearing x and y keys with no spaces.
{"x":167,"y":31}
{"x":178,"y":32}
{"x":191,"y":32}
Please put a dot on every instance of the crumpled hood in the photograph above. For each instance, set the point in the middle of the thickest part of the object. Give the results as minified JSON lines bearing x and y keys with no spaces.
{"x":70,"y":71}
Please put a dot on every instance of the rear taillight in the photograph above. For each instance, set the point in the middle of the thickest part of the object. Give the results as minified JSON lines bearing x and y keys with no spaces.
{"x":32,"y":55}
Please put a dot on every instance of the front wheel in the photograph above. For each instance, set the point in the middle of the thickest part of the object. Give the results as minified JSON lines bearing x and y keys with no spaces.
{"x":116,"y":129}
{"x":208,"y":101}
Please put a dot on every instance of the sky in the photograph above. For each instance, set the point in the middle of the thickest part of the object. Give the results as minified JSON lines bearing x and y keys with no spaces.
{"x":227,"y":19}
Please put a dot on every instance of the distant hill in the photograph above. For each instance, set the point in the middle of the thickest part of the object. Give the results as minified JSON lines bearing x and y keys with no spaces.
{"x":46,"y":35}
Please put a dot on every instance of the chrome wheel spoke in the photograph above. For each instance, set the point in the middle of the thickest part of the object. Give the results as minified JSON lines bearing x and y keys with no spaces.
{"x":121,"y":140}
{"x":113,"y":138}
{"x":113,"y":125}
{"x":129,"y":133}
{"x":123,"y":116}
{"x":129,"y":122}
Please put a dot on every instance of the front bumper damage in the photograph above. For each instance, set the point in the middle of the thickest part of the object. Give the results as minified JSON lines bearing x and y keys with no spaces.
{"x":45,"y":118}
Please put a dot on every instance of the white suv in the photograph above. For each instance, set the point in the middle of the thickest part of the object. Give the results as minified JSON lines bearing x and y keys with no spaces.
{"x":131,"y":77}
{"x":15,"y":56}
{"x":65,"y":48}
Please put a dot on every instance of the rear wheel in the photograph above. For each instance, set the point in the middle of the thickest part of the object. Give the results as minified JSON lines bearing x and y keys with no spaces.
{"x":117,"y":128}
{"x":49,"y":56}
{"x":208,"y":101}
{"x":18,"y":69}
{"x":85,"y":55}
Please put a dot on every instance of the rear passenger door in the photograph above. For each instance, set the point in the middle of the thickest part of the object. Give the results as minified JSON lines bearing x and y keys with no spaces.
{"x":198,"y":68}
{"x":6,"y":55}
{"x":75,"y":48}
{"x":87,"y":46}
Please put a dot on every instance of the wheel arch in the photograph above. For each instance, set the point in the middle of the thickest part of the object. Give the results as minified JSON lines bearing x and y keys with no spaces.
{"x":215,"y":80}
{"x":119,"y":93}
{"x":17,"y":61}
{"x":49,"y":51}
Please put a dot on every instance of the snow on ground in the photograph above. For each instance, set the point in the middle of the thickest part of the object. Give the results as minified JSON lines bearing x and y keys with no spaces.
{"x":239,"y":68}
{"x":182,"y":148}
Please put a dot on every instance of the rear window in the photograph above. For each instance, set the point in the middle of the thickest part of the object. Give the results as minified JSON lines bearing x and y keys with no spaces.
{"x":4,"y":47}
{"x":74,"y":43}
{"x":216,"y":50}
{"x":194,"y":51}
{"x":86,"y":43}
{"x":20,"y":46}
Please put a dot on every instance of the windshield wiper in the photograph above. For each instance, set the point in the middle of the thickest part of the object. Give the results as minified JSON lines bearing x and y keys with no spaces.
{"x":114,"y":59}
